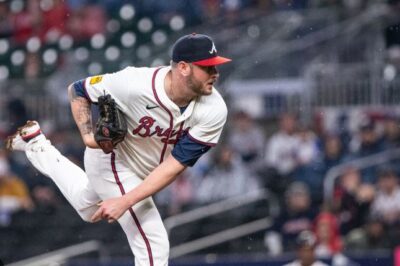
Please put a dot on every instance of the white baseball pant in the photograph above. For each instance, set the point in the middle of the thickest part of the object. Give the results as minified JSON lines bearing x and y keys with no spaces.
{"x":105,"y":177}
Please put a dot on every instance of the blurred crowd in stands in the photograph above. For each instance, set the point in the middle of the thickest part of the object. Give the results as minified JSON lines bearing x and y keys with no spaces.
{"x":363,"y":212}
{"x":36,"y":36}
{"x":291,"y":161}
{"x":51,"y":19}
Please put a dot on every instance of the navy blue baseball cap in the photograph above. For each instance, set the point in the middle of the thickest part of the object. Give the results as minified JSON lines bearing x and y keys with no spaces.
{"x":198,"y":49}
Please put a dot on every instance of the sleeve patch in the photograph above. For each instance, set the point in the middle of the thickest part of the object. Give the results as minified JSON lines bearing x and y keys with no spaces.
{"x":95,"y":80}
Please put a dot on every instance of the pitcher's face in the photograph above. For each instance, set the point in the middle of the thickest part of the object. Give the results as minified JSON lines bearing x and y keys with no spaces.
{"x":202,"y":79}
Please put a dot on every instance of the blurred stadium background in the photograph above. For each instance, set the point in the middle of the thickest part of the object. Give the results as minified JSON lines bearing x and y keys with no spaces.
{"x":312,"y":141}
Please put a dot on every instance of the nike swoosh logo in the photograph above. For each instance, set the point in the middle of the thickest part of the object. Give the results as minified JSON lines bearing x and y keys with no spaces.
{"x":148,"y":107}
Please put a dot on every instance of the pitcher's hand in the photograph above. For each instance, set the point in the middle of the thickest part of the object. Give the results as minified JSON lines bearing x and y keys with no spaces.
{"x":111,"y":209}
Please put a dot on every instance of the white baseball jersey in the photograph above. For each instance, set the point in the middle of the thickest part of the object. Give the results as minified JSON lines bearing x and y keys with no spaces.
{"x":155,"y":123}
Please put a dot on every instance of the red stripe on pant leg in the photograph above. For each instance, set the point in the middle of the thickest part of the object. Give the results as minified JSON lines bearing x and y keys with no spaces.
{"x":121,"y":188}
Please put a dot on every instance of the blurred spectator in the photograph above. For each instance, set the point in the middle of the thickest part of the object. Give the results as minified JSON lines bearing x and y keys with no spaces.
{"x":201,"y":168}
{"x":307,"y":148}
{"x":373,"y":235}
{"x":32,"y":67}
{"x":55,"y":15}
{"x":333,"y":152}
{"x":227,"y":177}
{"x":6,"y":27}
{"x":176,"y":197}
{"x":193,"y":12}
{"x":354,"y":7}
{"x":392,"y":34}
{"x":387,"y":201}
{"x":281,"y":155}
{"x":290,"y":4}
{"x":45,"y":198}
{"x":329,"y":242}
{"x":313,"y":174}
{"x":296,"y":216}
{"x":162,"y":11}
{"x":182,"y":194}
{"x":232,"y":9}
{"x":87,"y":21}
{"x":281,"y":152}
{"x":247,"y":139}
{"x":265,"y":6}
{"x":307,"y":155}
{"x":327,"y":3}
{"x":211,"y":10}
{"x":28,"y":22}
{"x":352,"y":200}
{"x":14,"y":194}
{"x":305,"y":251}
{"x":366,"y":143}
{"x":391,"y":137}
{"x":343,"y":132}
{"x":18,"y":114}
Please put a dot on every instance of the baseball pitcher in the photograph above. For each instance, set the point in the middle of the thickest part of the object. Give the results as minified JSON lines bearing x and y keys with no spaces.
{"x":154,"y":122}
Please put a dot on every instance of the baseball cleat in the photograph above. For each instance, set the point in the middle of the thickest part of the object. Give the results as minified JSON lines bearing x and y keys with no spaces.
{"x":29,"y":131}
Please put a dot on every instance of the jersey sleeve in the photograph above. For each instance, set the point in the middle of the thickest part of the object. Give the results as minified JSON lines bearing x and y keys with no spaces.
{"x":117,"y":84}
{"x":187,"y":152}
{"x":79,"y":87}
{"x":210,"y":121}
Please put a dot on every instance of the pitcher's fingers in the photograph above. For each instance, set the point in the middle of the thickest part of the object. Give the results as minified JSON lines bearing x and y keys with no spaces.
{"x":97,"y":215}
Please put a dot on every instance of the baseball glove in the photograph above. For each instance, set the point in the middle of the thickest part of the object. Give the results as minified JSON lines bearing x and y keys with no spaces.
{"x":111,"y":126}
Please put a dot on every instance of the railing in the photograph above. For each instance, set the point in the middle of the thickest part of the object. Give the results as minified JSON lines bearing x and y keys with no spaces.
{"x":276,"y":96}
{"x":32,"y":100}
{"x":60,"y":256}
{"x":216,"y":208}
{"x":368,"y":161}
{"x":312,"y":45}
{"x":265,"y":98}
{"x":356,"y":93}
{"x":221,"y":237}
{"x":338,"y":49}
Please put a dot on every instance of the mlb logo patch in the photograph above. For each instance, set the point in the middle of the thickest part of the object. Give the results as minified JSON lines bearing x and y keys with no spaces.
{"x":95,"y":79}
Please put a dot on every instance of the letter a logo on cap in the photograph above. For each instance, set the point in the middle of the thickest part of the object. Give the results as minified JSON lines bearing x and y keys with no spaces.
{"x":213,"y":49}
